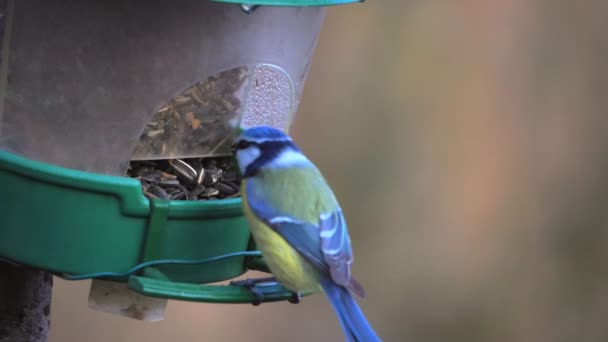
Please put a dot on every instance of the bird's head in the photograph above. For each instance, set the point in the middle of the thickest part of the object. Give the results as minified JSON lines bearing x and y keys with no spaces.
{"x":266,"y":147}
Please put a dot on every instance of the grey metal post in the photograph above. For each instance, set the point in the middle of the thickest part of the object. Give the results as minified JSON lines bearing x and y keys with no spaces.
{"x":25,"y":304}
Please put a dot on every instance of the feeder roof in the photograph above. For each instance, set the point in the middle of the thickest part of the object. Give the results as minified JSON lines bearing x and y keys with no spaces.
{"x":297,"y":3}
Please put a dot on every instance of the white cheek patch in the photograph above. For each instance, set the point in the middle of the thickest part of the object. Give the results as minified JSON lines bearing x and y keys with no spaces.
{"x":247,"y":156}
{"x":289,"y":158}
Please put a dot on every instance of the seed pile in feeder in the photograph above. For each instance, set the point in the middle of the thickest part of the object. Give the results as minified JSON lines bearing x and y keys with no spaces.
{"x":197,"y":121}
{"x":187,"y":179}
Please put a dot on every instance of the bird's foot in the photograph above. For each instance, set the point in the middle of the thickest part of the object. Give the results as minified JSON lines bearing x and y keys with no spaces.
{"x":295,"y":298}
{"x":258,"y":294}
{"x":250,"y":284}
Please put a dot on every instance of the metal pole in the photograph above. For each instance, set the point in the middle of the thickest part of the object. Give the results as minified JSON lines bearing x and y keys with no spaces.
{"x":25,"y":304}
{"x":25,"y":293}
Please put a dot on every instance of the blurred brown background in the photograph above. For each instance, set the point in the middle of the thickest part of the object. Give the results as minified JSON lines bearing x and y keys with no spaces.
{"x":467,"y":143}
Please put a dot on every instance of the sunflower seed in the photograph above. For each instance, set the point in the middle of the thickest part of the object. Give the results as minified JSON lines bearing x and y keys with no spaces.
{"x":182,"y":168}
{"x":173,"y":179}
{"x":201,"y":176}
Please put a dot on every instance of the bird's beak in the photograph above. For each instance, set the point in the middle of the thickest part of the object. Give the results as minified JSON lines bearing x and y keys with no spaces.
{"x":233,"y":148}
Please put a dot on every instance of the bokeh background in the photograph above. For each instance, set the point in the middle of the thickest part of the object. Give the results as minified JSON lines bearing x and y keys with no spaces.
{"x":467,"y":142}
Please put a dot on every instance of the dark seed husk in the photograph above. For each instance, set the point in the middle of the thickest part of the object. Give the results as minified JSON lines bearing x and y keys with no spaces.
{"x":210,"y":192}
{"x":229,"y":176}
{"x":184,"y":191}
{"x":179,"y":196}
{"x":166,"y":175}
{"x":173,"y":191}
{"x":151,"y":176}
{"x":158,"y":191}
{"x":149,"y":195}
{"x":212,"y":175}
{"x":197,"y":191}
{"x":238,"y":194}
{"x":169,"y":183}
{"x":225,"y":190}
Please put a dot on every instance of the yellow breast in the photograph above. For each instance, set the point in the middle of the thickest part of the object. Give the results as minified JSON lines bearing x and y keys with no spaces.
{"x":286,"y":264}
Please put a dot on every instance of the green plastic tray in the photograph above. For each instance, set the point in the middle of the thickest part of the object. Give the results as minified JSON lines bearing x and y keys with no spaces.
{"x":72,"y":222}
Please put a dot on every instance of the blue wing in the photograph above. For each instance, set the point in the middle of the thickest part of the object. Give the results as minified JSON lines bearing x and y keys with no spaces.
{"x":335,"y":245}
{"x":326,"y":245}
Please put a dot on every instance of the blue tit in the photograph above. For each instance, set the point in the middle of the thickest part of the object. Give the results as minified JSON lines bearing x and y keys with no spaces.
{"x":298,"y":225}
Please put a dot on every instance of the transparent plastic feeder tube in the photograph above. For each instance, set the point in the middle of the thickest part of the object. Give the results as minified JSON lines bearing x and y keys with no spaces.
{"x":201,"y":120}
{"x":92,"y":85}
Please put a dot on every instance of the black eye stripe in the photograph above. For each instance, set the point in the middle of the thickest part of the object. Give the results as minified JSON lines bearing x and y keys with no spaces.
{"x":243,"y":144}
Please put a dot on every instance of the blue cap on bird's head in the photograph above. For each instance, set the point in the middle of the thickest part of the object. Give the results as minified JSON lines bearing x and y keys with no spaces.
{"x":264,"y":146}
{"x":261,"y":134}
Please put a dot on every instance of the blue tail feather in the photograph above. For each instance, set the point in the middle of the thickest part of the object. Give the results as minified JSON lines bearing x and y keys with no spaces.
{"x":353,"y":322}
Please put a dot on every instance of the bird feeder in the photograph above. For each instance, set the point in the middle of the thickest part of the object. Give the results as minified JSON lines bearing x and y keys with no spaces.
{"x":86,"y":87}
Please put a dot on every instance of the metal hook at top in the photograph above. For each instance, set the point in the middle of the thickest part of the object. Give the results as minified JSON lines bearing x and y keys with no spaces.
{"x":249,"y":9}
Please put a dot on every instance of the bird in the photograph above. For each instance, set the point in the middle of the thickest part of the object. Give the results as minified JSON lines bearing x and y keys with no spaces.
{"x":298,"y":225}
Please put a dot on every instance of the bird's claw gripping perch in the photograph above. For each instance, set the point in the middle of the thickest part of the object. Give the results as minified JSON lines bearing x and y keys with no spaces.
{"x":250,"y":284}
{"x":258,"y":293}
{"x":295,"y":298}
